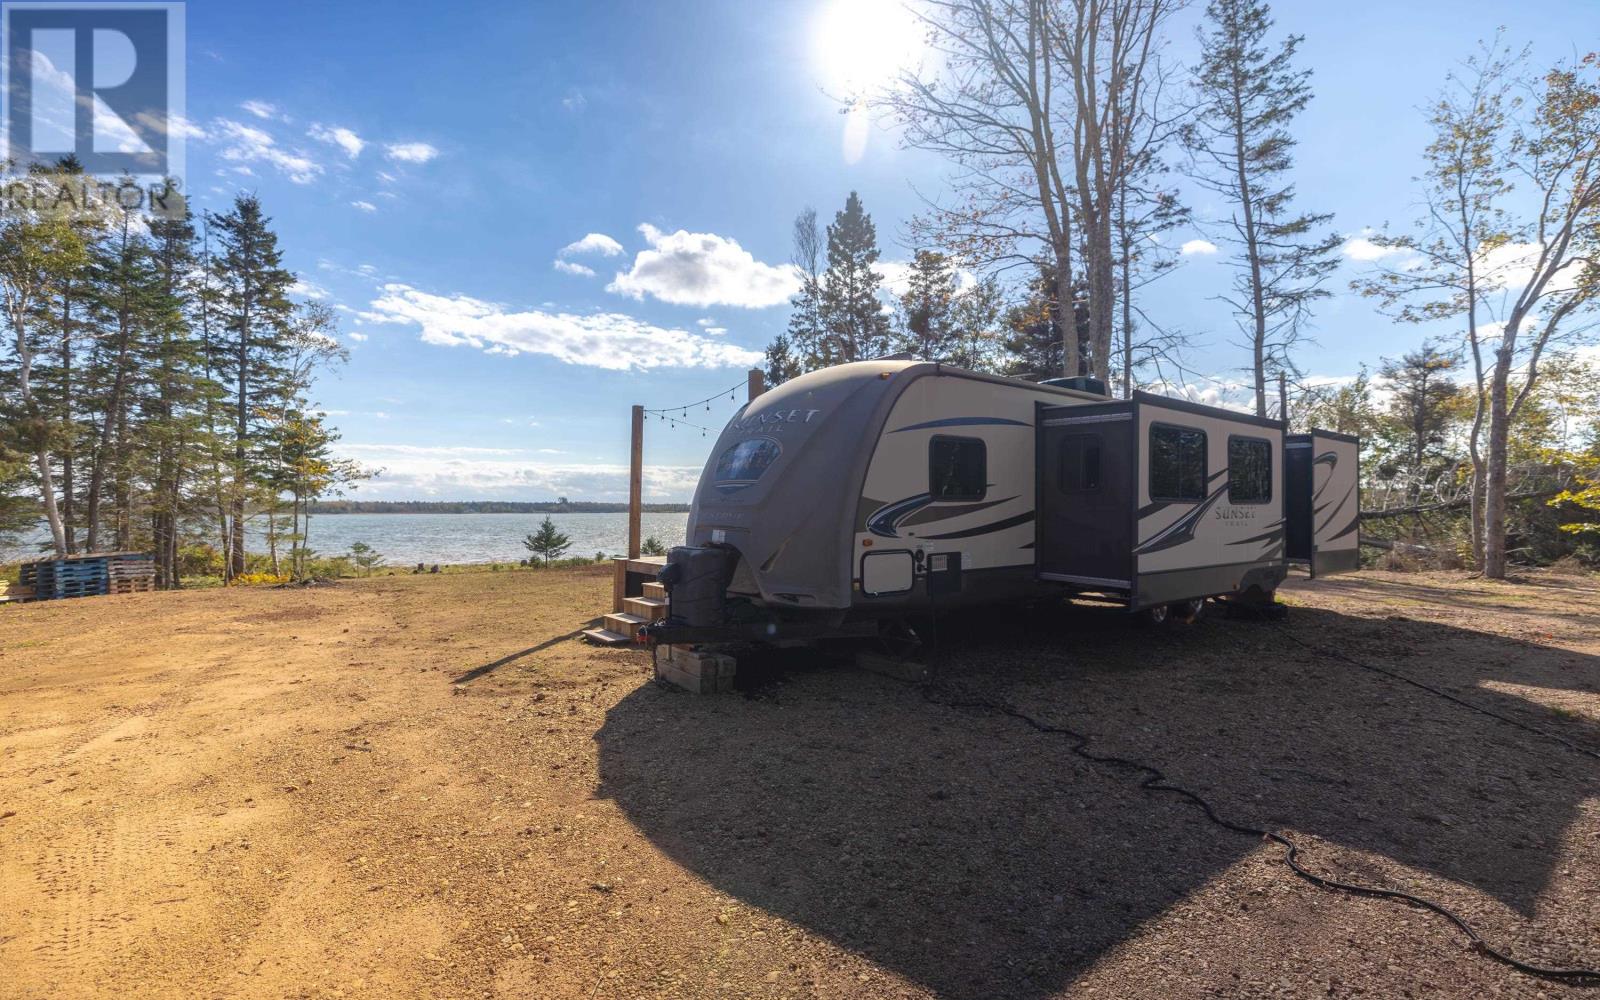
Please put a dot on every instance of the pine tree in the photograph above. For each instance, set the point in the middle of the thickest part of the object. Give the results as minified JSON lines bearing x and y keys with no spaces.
{"x":781,"y":365}
{"x":173,"y":428}
{"x":856,"y":324}
{"x":547,"y":543}
{"x":1422,"y":403}
{"x":926,"y":307}
{"x":975,"y":327}
{"x":1249,"y":95}
{"x":1032,"y":339}
{"x":254,"y":318}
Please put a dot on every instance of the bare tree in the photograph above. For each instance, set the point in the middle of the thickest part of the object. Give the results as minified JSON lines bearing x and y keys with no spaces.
{"x":995,"y":110}
{"x":1110,"y":52}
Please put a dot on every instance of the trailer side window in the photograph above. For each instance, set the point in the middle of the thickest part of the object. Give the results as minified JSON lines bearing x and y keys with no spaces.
{"x":1249,"y":470}
{"x":958,"y":468}
{"x":1177,"y":463}
{"x":1080,"y":463}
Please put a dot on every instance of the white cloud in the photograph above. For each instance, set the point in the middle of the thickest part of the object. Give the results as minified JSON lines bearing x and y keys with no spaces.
{"x":703,"y":269}
{"x":1511,"y":266}
{"x":598,"y":243}
{"x":574,"y":101}
{"x":601,"y":340}
{"x":1359,"y":248}
{"x":1197,"y":246}
{"x":308,"y":289}
{"x":264,"y":110}
{"x":386,"y":177}
{"x":357,"y":336}
{"x":466,"y":472}
{"x":248,"y":144}
{"x":568,"y":267}
{"x":365,"y":206}
{"x":710,"y":326}
{"x":410,"y":152}
{"x":337,"y":135}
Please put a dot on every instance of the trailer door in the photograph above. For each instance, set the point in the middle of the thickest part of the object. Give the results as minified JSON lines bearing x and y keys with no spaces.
{"x":1322,"y":508}
{"x":1085,"y":476}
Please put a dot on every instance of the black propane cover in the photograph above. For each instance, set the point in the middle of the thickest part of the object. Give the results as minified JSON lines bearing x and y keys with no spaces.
{"x":697,"y":578}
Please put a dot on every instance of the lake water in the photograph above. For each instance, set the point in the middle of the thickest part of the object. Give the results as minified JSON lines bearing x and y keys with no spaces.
{"x":407,"y":539}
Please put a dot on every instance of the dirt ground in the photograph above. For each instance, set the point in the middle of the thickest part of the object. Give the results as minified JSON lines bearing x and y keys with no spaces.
{"x":429,"y":787}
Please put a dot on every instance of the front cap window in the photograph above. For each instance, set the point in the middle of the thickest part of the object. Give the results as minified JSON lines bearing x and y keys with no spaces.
{"x":744,"y":463}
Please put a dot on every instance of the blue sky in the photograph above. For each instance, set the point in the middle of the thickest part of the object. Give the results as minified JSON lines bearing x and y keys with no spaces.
{"x":427,"y":164}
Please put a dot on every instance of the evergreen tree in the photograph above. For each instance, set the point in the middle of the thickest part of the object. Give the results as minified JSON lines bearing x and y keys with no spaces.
{"x":781,"y":364}
{"x":547,"y":542}
{"x":975,"y":327}
{"x":1249,"y":95}
{"x":1032,"y":339}
{"x":255,"y":313}
{"x":926,"y":307}
{"x":1423,"y":404}
{"x":854,"y":320}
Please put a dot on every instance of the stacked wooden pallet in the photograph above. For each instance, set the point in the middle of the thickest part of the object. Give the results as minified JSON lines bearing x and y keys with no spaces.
{"x":59,"y":579}
{"x":131,"y":572}
{"x":89,"y":575}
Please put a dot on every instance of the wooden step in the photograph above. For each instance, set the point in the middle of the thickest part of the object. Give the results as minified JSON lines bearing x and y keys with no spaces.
{"x":605,"y":637}
{"x":653,"y":589}
{"x":624,"y":623}
{"x":651,"y":609}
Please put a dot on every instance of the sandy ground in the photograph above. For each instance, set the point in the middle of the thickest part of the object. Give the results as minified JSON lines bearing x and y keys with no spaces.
{"x":427,"y":787}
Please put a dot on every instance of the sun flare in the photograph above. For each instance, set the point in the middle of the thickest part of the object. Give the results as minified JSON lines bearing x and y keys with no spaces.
{"x":860,"y":45}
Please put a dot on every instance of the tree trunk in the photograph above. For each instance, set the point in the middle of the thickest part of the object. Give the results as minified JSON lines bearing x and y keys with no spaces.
{"x":41,"y":454}
{"x":1494,"y":506}
{"x":68,"y":522}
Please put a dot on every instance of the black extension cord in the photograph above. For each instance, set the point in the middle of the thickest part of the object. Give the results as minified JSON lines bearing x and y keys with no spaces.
{"x":1156,"y":781}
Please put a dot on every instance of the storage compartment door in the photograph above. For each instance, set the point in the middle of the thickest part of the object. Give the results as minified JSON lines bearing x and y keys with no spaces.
{"x":1085,"y":465}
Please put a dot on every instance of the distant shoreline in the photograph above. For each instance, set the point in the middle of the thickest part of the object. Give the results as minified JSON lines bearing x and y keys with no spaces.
{"x":487,"y":507}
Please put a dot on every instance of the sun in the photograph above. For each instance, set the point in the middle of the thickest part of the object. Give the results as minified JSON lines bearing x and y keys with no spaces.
{"x":861,"y":45}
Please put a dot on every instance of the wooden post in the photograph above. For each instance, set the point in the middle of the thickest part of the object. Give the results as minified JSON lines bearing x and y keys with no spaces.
{"x":636,"y":483}
{"x":756,"y":383}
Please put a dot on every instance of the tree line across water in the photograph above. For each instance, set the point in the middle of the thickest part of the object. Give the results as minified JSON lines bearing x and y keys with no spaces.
{"x":1068,"y":128}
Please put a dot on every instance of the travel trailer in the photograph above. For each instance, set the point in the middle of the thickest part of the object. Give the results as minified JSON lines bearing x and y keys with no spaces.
{"x":883,"y":490}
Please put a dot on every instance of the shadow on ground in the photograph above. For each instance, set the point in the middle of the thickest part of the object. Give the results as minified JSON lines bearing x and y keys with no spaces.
{"x":982,"y":859}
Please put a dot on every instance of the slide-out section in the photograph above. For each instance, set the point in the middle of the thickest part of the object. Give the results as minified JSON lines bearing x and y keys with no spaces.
{"x":1322,"y":507}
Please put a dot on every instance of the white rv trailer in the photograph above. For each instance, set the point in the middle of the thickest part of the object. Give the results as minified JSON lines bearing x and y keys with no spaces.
{"x":879,"y":489}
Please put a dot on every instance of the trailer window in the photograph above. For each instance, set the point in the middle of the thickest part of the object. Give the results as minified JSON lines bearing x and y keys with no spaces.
{"x":744,"y":463}
{"x":1249,"y":470}
{"x":1080,"y":463}
{"x":1177,"y":463}
{"x":957,"y":469}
